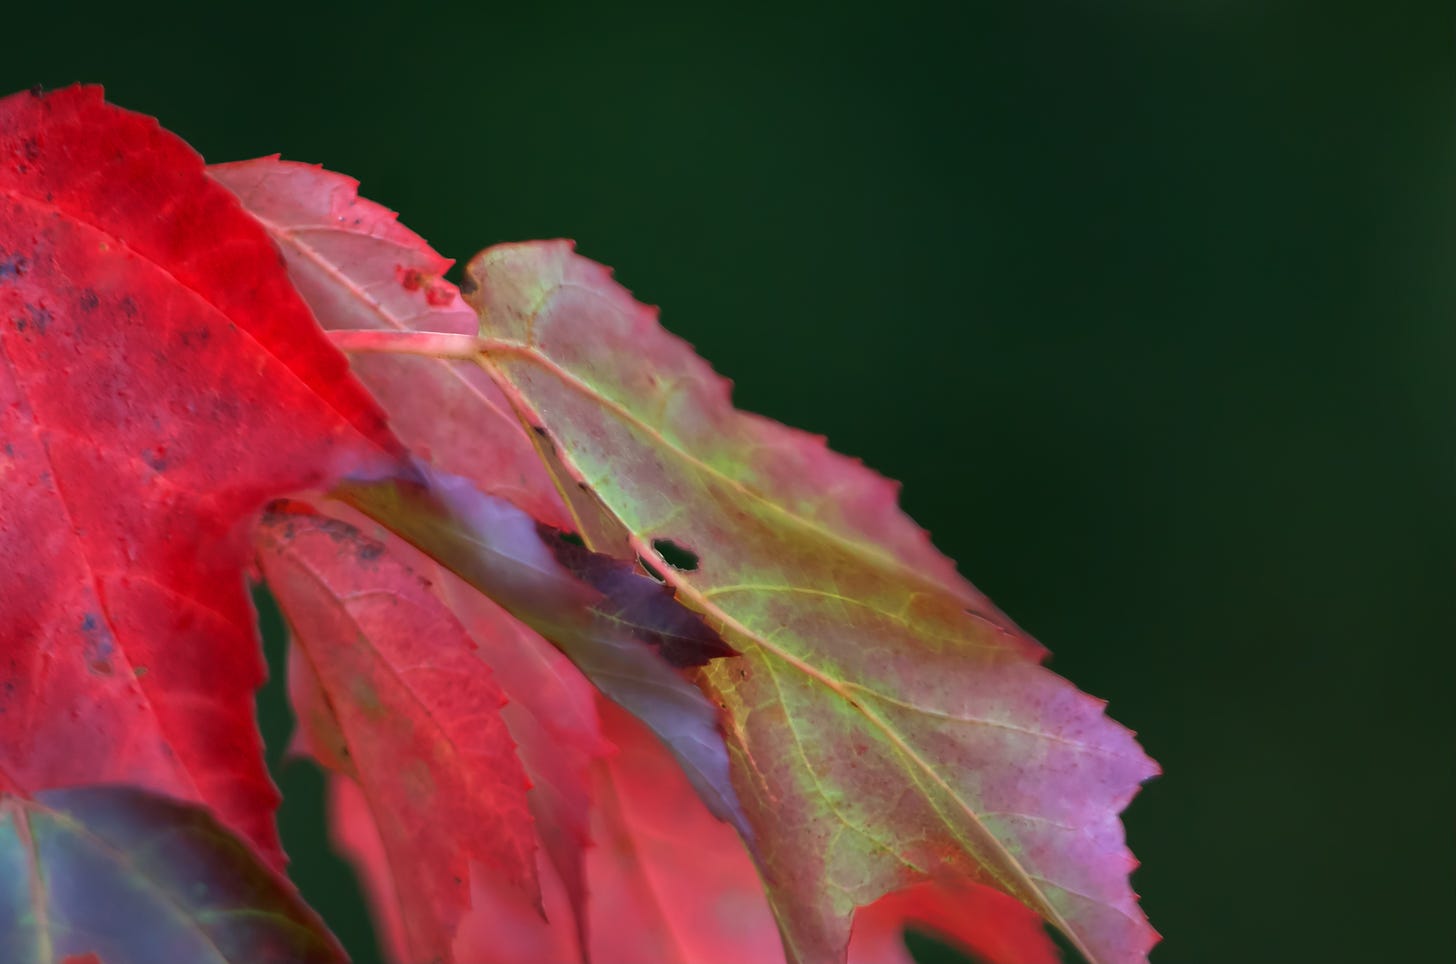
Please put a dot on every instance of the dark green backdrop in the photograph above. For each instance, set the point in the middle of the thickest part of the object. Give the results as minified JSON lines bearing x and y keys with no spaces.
{"x":1148,"y":302}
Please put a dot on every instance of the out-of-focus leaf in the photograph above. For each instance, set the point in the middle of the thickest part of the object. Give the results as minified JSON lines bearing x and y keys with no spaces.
{"x":501,"y":927}
{"x":887,"y":725}
{"x":126,"y":877}
{"x":394,"y":695}
{"x":668,"y":882}
{"x":553,"y":717}
{"x":160,"y":381}
{"x":985,"y":922}
{"x":501,"y":551}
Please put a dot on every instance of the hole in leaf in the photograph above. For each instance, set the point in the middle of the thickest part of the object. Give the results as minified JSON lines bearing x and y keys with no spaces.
{"x":926,"y":948}
{"x":572,"y":538}
{"x":679,"y":557}
{"x":650,"y":569}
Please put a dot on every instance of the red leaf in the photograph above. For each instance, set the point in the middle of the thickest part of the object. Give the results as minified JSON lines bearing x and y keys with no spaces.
{"x":994,"y":927}
{"x":412,"y":713}
{"x":159,"y":382}
{"x":359,"y":268}
{"x":668,"y":882}
{"x":552,"y":715}
{"x":501,"y":927}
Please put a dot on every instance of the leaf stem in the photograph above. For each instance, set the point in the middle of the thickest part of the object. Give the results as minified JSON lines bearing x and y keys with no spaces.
{"x":435,"y":344}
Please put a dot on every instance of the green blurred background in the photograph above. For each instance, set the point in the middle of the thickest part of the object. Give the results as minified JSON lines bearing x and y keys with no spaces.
{"x":1148,"y":303}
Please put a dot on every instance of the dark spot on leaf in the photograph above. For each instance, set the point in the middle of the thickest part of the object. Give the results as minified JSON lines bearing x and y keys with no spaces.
{"x":649,"y":608}
{"x":156,"y":458}
{"x":97,"y":645}
{"x":679,"y":557}
{"x":12,"y":266}
{"x":573,"y":538}
{"x":88,"y":300}
{"x":30,"y":147}
{"x":539,"y":430}
{"x":39,"y":317}
{"x":925,"y":945}
{"x":369,"y":551}
{"x":128,"y":306}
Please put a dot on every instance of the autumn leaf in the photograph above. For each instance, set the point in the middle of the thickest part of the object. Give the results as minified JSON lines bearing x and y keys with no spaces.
{"x":364,"y":272}
{"x":160,"y":381}
{"x":120,"y":876}
{"x":887,"y":725}
{"x":552,"y":715}
{"x":668,"y":882}
{"x":627,"y":643}
{"x":672,"y":885}
{"x":360,"y":269}
{"x":393,"y":694}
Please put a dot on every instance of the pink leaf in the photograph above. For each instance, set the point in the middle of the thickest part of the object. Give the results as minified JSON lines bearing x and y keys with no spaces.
{"x":415,"y":719}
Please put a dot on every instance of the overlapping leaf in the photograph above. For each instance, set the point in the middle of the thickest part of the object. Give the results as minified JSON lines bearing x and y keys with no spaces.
{"x":362,"y":270}
{"x":888,"y":726}
{"x":891,"y":732}
{"x":160,"y":380}
{"x":624,"y":631}
{"x":115,"y":875}
{"x":393,"y":694}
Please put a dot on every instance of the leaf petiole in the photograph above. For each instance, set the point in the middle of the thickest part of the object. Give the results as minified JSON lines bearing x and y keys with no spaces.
{"x":434,"y":344}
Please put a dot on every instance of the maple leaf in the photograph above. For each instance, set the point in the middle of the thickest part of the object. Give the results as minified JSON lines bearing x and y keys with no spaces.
{"x":887,"y":724}
{"x":393,"y":694}
{"x":891,"y":732}
{"x":121,"y":876}
{"x":160,"y":381}
{"x":362,"y":271}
